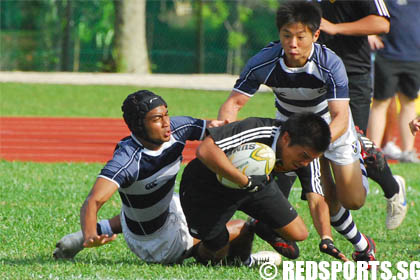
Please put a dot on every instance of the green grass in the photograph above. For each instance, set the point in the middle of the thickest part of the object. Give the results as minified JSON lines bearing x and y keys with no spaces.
{"x":39,"y":203}
{"x":105,"y":101}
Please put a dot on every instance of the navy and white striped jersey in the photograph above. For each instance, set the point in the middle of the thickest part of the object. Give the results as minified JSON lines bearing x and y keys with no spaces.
{"x":232,"y":135}
{"x":146,"y":178}
{"x":304,"y":89}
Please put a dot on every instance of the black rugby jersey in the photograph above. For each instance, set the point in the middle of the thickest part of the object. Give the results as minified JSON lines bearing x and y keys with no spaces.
{"x":232,"y":135}
{"x":353,"y":50}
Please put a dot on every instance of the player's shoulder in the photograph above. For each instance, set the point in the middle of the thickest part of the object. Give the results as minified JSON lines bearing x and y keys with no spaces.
{"x":261,"y":122}
{"x":186,"y":123}
{"x":126,"y":147}
{"x":178,"y":121}
{"x":271,"y":52}
{"x":326,"y":57}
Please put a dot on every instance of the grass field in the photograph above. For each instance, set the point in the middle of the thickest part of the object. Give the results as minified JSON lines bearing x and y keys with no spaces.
{"x":40,"y":202}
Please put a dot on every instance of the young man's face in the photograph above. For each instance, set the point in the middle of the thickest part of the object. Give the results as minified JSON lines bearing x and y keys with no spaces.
{"x":293,"y":157}
{"x":297,"y":39}
{"x":157,"y":124}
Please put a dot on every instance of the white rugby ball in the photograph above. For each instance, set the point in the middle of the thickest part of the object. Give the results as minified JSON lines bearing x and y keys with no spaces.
{"x":251,"y":159}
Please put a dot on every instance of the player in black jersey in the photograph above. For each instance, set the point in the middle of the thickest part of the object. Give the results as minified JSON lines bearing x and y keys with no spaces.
{"x":208,"y":205}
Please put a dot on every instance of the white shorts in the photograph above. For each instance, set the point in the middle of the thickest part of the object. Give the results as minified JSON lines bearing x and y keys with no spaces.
{"x":346,"y":149}
{"x":167,"y":244}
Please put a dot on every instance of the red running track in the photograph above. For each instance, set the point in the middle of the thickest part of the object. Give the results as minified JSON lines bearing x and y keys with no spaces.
{"x":64,"y":139}
{"x":70,"y":139}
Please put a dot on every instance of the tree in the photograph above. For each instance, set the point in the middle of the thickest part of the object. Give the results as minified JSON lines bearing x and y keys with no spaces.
{"x":130,"y":36}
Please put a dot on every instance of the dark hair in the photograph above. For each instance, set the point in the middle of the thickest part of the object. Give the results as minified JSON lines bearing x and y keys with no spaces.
{"x":136,"y":106}
{"x":294,"y":11}
{"x":308,"y":130}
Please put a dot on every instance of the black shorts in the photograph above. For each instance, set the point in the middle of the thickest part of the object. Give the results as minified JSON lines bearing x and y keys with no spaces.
{"x":392,"y":76}
{"x":309,"y":177}
{"x":208,"y":205}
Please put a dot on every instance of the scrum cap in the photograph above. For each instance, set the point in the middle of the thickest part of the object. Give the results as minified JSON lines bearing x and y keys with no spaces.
{"x":135,"y":108}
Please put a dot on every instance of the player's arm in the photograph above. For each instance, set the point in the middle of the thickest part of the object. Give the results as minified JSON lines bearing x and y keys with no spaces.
{"x":339,"y":111}
{"x":318,"y":208}
{"x":100,"y":193}
{"x":215,"y":123}
{"x":216,"y":160}
{"x":369,"y":25}
{"x":229,"y":110}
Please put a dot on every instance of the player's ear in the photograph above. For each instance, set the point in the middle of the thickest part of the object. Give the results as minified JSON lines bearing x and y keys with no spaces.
{"x":316,"y":35}
{"x":285,"y":139}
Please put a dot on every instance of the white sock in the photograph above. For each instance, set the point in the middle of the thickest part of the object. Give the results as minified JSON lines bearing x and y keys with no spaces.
{"x":105,"y":227}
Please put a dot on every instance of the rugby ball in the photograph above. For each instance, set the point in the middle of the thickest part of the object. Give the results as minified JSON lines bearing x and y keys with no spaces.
{"x":251,"y":159}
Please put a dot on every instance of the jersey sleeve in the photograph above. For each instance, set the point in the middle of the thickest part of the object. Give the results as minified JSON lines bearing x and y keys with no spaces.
{"x":257,"y":69}
{"x":375,"y":7}
{"x":188,"y":128}
{"x":231,"y":135}
{"x":122,"y":168}
{"x":336,"y":80}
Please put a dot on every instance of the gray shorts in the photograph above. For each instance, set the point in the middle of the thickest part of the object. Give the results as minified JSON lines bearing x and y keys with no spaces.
{"x":166,"y":245}
{"x":392,"y":76}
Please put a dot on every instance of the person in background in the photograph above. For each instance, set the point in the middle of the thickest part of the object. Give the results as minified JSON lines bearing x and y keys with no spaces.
{"x":397,"y":72}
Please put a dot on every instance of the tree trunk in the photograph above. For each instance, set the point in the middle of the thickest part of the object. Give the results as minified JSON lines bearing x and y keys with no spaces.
{"x":130,"y":36}
{"x":66,"y":40}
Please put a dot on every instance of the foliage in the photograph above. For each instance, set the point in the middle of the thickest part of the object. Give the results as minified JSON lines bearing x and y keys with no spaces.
{"x":91,"y":24}
{"x":32,"y":32}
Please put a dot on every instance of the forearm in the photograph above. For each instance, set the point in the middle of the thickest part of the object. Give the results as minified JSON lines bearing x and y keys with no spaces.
{"x":340,"y":115}
{"x":370,"y":25}
{"x":88,"y":219}
{"x":228,"y":111}
{"x":318,"y":208}
{"x":216,"y":160}
{"x":337,"y":128}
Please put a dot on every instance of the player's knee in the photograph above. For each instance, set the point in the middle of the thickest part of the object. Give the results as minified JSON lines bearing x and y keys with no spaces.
{"x":217,"y":242}
{"x":302,"y":235}
{"x":353,"y":204}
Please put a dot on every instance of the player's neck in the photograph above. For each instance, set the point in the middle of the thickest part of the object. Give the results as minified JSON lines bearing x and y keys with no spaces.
{"x":149,"y":145}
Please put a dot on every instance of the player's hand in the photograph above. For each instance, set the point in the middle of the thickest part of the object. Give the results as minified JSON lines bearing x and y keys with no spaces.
{"x":98,"y":240}
{"x":375,"y":42}
{"x":415,"y":126}
{"x":256,"y":183}
{"x":216,"y":123}
{"x":327,"y":246}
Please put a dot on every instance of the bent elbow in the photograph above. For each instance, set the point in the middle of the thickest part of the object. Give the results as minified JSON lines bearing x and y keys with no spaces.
{"x":383,"y":26}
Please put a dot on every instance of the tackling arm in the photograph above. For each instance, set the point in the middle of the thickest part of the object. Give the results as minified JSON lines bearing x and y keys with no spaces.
{"x":100,"y":193}
{"x":216,"y":160}
{"x":369,"y":25}
{"x":318,"y":208}
{"x":229,"y":110}
{"x":339,"y":111}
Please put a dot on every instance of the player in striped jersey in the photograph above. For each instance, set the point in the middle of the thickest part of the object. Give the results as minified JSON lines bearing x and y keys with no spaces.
{"x":208,"y":205}
{"x":143,"y":171}
{"x":308,"y":77}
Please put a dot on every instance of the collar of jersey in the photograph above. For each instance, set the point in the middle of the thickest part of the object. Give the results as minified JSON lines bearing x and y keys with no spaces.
{"x":152,"y":152}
